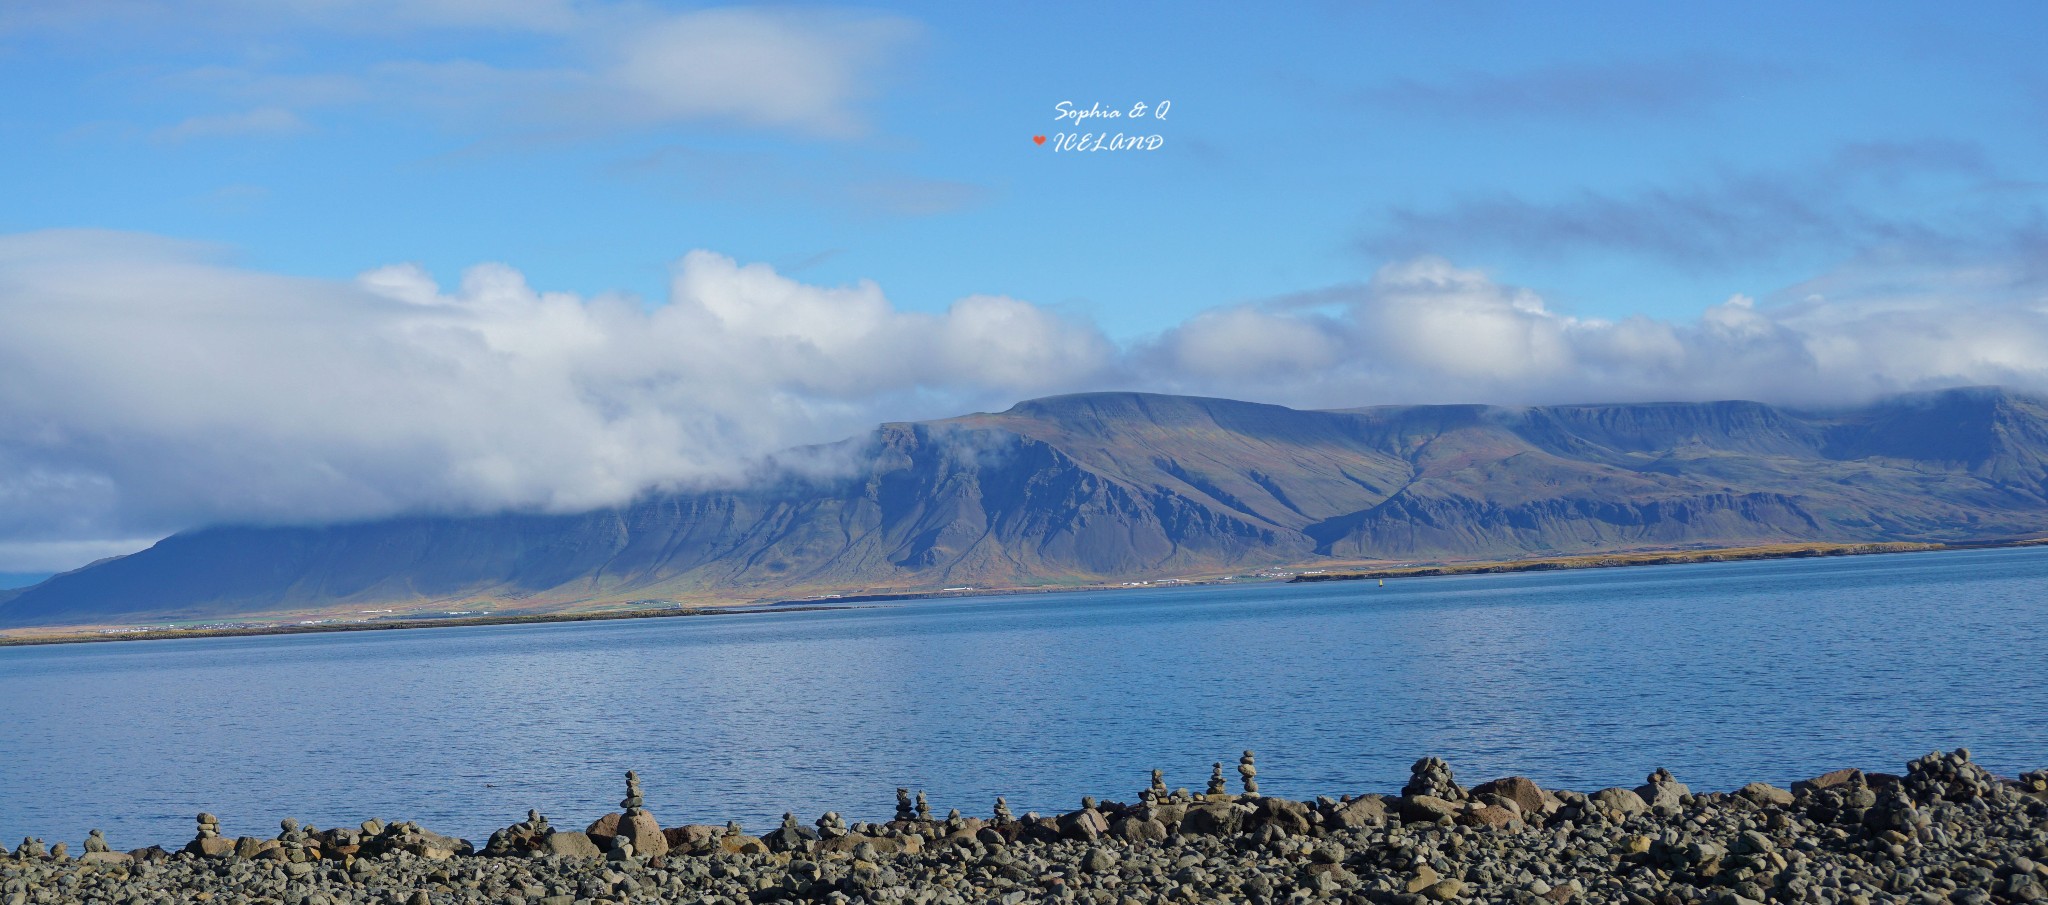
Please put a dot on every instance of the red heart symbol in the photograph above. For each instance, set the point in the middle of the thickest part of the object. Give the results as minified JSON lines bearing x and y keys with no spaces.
{"x":1038,"y":139}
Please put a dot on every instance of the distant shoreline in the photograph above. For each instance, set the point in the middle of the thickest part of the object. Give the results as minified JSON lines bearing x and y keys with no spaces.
{"x":1662,"y":558}
{"x":396,"y":624}
{"x":862,"y":600}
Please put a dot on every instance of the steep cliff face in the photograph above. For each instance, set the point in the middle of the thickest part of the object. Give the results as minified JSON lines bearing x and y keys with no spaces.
{"x":1123,"y":485}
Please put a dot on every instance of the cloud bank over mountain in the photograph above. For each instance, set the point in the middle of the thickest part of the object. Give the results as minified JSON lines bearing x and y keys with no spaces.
{"x":148,"y":385}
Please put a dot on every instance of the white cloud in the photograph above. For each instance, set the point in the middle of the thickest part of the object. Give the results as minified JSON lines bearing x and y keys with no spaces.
{"x":1424,"y":330}
{"x":145,"y":387}
{"x":1460,"y":324}
{"x":1246,"y":342}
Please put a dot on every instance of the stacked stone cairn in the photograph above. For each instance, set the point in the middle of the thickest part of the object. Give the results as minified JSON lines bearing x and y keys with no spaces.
{"x":1248,"y":771}
{"x":1218,"y":789}
{"x":292,"y":842}
{"x":208,"y":842}
{"x":924,"y":808}
{"x":905,"y":811}
{"x":96,"y":843}
{"x":791,"y":836}
{"x":1002,"y":812}
{"x":637,"y":826}
{"x":1157,"y":790}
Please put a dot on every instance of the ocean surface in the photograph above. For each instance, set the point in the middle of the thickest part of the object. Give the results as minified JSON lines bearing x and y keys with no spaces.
{"x":1724,"y":673}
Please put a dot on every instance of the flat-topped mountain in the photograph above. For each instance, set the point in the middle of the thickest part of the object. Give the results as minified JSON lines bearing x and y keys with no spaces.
{"x":1120,"y":486}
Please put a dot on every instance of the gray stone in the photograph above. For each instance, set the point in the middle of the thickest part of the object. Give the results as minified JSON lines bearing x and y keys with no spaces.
{"x":1764,"y":794}
{"x":1520,"y":790}
{"x":1363,"y":811}
{"x":1426,"y":809}
{"x":571,"y":844}
{"x":1619,"y":803}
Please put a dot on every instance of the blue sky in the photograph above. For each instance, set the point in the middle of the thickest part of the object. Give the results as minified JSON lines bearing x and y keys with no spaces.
{"x":1306,"y":146}
{"x":461,"y":255}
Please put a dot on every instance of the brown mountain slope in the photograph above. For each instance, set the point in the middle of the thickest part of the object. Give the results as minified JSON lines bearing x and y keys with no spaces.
{"x":1120,"y":485}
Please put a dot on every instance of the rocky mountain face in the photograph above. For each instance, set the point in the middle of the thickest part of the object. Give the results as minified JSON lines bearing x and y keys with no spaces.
{"x":1122,"y":485}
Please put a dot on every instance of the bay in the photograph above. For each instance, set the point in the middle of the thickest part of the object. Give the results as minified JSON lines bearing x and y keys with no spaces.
{"x":1723,"y":673}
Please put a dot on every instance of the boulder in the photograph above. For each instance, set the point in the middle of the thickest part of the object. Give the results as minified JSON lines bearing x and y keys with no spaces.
{"x":1663,"y":793}
{"x":640,"y":829}
{"x":216,"y":847}
{"x":1829,"y":780}
{"x":571,"y":844}
{"x":1292,"y":816}
{"x":834,"y":844}
{"x":743,"y":844}
{"x":1212,"y":818}
{"x":1139,"y":828}
{"x":1520,"y":790}
{"x":603,"y":829}
{"x":851,"y":841}
{"x":1664,"y":798}
{"x":1099,"y":861}
{"x":1618,"y":803}
{"x":693,"y":839}
{"x":151,"y":854}
{"x":1169,"y":811}
{"x":790,"y":839}
{"x":1446,"y":889}
{"x":1086,"y":825}
{"x":1763,"y":794}
{"x":106,"y":858}
{"x":1426,"y":809}
{"x":1490,"y":816}
{"x":1363,"y":811}
{"x":1038,"y":829}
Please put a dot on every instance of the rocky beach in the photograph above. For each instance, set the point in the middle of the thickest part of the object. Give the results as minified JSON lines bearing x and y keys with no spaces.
{"x":1944,"y":830}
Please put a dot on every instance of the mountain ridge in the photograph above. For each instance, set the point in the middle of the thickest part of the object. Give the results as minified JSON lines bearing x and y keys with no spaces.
{"x":1110,"y":486}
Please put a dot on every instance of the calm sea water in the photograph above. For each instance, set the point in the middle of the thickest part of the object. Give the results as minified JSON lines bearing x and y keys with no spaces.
{"x":1724,"y":673}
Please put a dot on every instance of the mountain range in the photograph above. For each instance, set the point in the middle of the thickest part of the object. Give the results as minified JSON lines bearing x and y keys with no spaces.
{"x":1108,"y":487}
